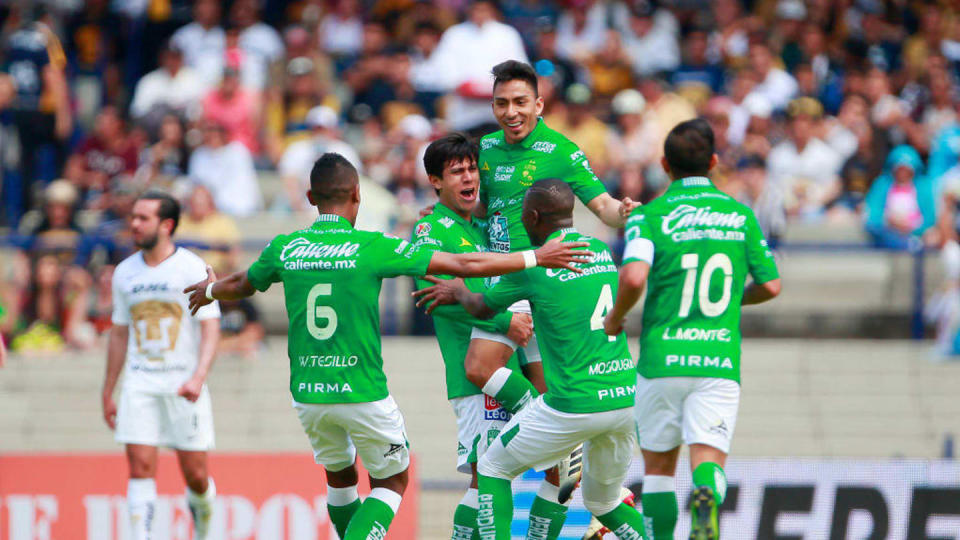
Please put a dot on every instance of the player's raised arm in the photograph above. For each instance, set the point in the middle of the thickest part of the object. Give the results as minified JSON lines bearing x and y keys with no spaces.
{"x":758,"y":293}
{"x":233,"y":287}
{"x":553,"y":254}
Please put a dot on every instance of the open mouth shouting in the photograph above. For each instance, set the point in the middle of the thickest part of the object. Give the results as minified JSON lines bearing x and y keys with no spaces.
{"x":469,"y":194}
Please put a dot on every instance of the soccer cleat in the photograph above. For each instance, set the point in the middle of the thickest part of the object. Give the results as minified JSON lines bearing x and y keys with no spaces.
{"x":201,"y":522}
{"x":705,"y":516}
{"x":570,"y":470}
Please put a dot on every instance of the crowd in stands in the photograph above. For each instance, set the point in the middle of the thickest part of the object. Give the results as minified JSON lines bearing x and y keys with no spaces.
{"x":835,"y":111}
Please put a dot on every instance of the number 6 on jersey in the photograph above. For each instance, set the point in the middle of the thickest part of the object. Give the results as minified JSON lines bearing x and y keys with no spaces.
{"x":315,"y":311}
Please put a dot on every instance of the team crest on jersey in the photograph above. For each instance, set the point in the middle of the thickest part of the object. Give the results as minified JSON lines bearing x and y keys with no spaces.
{"x":492,"y":410}
{"x":526,"y":174}
{"x":423,"y":229}
{"x":446,"y":222}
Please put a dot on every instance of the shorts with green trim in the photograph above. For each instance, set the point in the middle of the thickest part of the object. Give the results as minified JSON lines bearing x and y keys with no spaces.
{"x":479,"y":420}
{"x":528,"y":354}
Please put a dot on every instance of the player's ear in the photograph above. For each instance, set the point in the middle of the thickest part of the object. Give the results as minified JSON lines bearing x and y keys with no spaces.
{"x":714,"y":160}
{"x":355,"y":196}
{"x":436,"y":182}
{"x":310,"y":198}
{"x":666,"y":166}
{"x":539,"y":102}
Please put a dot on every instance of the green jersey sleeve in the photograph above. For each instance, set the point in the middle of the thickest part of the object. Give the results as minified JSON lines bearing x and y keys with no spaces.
{"x":509,"y":289}
{"x":265,"y":271}
{"x":763,"y":267}
{"x":584,"y":183}
{"x":396,"y":257}
{"x":639,"y":238}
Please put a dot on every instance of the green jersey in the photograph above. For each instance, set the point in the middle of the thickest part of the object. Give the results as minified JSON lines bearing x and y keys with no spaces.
{"x":508,"y":170}
{"x":444,"y":230}
{"x":331,"y":276}
{"x":701,"y":244}
{"x":586,"y":370}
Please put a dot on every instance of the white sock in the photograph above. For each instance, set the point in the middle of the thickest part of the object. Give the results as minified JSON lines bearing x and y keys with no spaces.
{"x":341,"y":496}
{"x":388,"y":496}
{"x":201,"y":505}
{"x":141,"y":499}
{"x":496,"y":381}
{"x":653,"y":483}
{"x":471,"y":499}
{"x":550,"y":493}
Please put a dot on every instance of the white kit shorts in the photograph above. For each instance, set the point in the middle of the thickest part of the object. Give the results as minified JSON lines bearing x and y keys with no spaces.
{"x":692,"y":410}
{"x":165,"y":420}
{"x":479,"y":420}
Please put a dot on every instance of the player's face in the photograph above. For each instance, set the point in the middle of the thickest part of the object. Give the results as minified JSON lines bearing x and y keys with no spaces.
{"x":516,"y":108}
{"x":460,"y":185}
{"x":145,"y":223}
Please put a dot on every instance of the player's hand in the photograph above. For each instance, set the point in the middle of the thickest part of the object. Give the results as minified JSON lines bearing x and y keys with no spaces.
{"x":612,"y":326}
{"x":559,"y":254}
{"x":109,"y":410}
{"x":191,"y":389}
{"x":198,"y":292}
{"x":426,"y":211}
{"x":521,"y":329}
{"x":444,"y":292}
{"x":626,"y":207}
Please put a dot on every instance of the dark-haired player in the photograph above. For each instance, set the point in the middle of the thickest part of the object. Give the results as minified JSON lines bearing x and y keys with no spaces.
{"x":331,"y":275}
{"x":695,"y":246}
{"x":168,"y":352}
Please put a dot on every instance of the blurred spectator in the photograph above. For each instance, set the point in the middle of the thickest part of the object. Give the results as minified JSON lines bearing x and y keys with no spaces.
{"x":650,"y":40}
{"x":236,"y":109}
{"x":900,"y":204}
{"x":581,"y":126}
{"x":341,"y":30}
{"x":560,"y":71}
{"x":368,"y":72}
{"x":610,"y":69}
{"x":664,"y":108}
{"x":926,"y":42}
{"x":750,"y":186}
{"x":53,"y":308}
{"x":298,"y":159}
{"x":226,"y":169}
{"x":286,"y":113}
{"x":581,"y":30}
{"x":423,"y":72}
{"x":697,"y":68}
{"x":54,"y":231}
{"x":775,"y":84}
{"x":203,"y":41}
{"x":110,"y":241}
{"x":203,"y":224}
{"x":166,"y":160}
{"x":171,"y":88}
{"x":259,"y":42}
{"x":95,"y":47}
{"x":106,"y":153}
{"x":729,"y":41}
{"x":632,"y":144}
{"x":859,"y":172}
{"x":803,"y":166}
{"x":240,"y":329}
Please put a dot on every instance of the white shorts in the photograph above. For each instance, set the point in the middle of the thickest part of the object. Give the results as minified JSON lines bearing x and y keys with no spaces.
{"x":531,"y":352}
{"x":691,"y":410}
{"x":479,"y":420}
{"x":539,"y":437}
{"x":165,"y":420}
{"x":340,"y":431}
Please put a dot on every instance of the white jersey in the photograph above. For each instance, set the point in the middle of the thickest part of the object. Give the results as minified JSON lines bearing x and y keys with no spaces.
{"x":164,"y":343}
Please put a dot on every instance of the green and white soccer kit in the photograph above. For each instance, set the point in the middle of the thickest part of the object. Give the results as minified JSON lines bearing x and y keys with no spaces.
{"x":331,"y":275}
{"x":479,"y":417}
{"x":506,"y":172}
{"x":700,"y":244}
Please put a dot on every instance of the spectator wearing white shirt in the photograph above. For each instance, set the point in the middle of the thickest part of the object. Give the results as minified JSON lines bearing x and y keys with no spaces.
{"x":581,"y":30}
{"x":260,"y":43}
{"x":465,"y":55}
{"x":778,"y":86}
{"x":341,"y":30}
{"x":298,"y":159}
{"x":172,"y":87}
{"x":651,"y":41}
{"x":226,"y":169}
{"x":203,"y":41}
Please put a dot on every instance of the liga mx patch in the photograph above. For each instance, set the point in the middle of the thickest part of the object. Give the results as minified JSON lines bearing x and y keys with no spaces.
{"x":493,"y":411}
{"x":422,"y":229}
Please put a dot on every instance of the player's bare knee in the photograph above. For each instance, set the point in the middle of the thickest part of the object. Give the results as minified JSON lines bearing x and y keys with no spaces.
{"x":196,"y":480}
{"x":141,"y":466}
{"x":661,"y":463}
{"x":396,"y":483}
{"x":478,"y":369}
{"x":342,"y":478}
{"x":552,"y":476}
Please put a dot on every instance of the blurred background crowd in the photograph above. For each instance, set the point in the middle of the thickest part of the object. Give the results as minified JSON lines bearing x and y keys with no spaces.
{"x":825,"y":111}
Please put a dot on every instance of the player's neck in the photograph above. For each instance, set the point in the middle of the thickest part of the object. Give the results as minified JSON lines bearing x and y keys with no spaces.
{"x":464,"y":214}
{"x":159,"y":253}
{"x":334,"y":211}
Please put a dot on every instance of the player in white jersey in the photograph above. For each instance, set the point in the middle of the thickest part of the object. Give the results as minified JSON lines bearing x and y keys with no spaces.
{"x":168,"y":354}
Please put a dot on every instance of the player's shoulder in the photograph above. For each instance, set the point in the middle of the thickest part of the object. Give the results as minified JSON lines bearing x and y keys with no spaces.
{"x":188,"y":258}
{"x":552,"y":136}
{"x":491,"y":140}
{"x":128,"y":266}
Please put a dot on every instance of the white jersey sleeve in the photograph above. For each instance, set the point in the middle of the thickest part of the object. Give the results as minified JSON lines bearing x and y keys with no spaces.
{"x":121,"y":311}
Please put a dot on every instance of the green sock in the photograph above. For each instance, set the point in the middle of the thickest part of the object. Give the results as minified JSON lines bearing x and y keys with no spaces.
{"x":374,"y":516}
{"x":510,"y":388}
{"x":465,"y":518}
{"x":660,"y":512}
{"x":341,"y":516}
{"x":495,"y":513}
{"x":546,"y":519}
{"x":711,"y":475}
{"x":625,"y":522}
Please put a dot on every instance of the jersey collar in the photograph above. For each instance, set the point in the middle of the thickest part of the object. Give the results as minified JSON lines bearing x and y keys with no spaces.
{"x":446,"y":211}
{"x":565,"y":230}
{"x":325,"y":221}
{"x":690,"y":182}
{"x":534,"y":135}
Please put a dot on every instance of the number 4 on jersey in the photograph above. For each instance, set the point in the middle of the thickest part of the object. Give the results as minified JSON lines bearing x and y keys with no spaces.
{"x":604,"y":305}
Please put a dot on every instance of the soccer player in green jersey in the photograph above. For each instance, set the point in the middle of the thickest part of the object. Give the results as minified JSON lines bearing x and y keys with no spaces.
{"x":694,"y":245}
{"x":451,"y":165}
{"x":331,"y":275}
{"x":589,"y":375}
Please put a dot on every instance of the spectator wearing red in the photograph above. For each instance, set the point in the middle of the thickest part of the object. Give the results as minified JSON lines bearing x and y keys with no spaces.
{"x":235,"y":108}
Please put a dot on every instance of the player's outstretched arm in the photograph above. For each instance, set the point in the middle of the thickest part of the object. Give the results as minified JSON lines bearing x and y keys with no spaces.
{"x":116,"y":354}
{"x":612,"y":212}
{"x":553,"y":254}
{"x":633,"y":279}
{"x":757,"y":293}
{"x":233,"y":287}
{"x":452,"y":291}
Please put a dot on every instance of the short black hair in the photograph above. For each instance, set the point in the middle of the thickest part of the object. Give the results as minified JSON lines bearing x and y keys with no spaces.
{"x":332,"y":179}
{"x":688,"y":148}
{"x":550,"y":196}
{"x":454,"y":147}
{"x":169,"y":207}
{"x":513,"y":70}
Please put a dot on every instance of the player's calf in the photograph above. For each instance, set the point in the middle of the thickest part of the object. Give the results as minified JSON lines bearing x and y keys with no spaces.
{"x":373,"y":517}
{"x":604,"y":501}
{"x":343,"y":500}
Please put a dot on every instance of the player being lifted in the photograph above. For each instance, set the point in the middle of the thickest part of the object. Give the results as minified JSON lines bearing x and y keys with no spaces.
{"x":331,"y":275}
{"x":695,"y":246}
{"x":451,"y":165}
{"x":511,"y":160}
{"x":168,"y":352}
{"x":589,"y":375}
